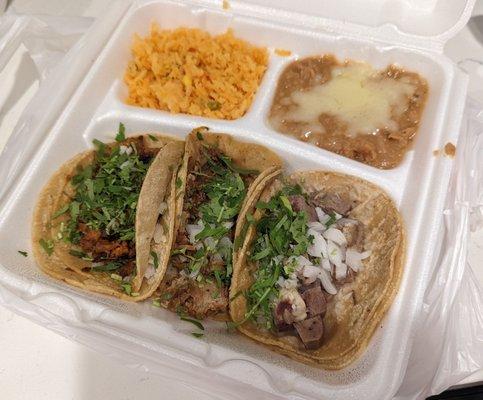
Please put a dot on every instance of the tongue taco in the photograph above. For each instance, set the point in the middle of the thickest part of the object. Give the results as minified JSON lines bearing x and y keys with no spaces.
{"x":104,"y":221}
{"x":320,"y":265}
{"x":218,"y":177}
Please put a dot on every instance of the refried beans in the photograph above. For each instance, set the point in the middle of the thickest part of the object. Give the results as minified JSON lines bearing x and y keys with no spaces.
{"x":350,"y":108}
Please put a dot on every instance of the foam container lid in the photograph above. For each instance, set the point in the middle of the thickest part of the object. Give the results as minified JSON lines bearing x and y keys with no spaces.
{"x":89,"y":104}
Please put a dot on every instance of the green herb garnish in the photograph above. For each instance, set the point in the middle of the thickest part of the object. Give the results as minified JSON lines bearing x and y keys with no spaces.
{"x":106,"y":194}
{"x":110,"y":266}
{"x":155,"y":259}
{"x":121,"y":133}
{"x":156,"y":303}
{"x":198,"y":335}
{"x":23,"y":253}
{"x":153,"y":138}
{"x":179,"y":182}
{"x":127,"y":288}
{"x":47,"y":245}
{"x":281,"y":233}
{"x":195,"y":322}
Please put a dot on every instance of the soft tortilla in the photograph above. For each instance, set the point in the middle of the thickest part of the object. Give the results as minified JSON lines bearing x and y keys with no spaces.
{"x":245,"y":155}
{"x":158,"y":186}
{"x":348,"y":325}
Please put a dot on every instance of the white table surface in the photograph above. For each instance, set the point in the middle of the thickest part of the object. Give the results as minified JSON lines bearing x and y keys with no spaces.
{"x":38,"y":364}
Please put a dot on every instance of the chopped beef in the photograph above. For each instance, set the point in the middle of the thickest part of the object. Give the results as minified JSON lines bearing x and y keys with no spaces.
{"x":283,"y":317}
{"x":101,"y":248}
{"x":127,"y":269}
{"x":334,"y":202}
{"x":311,"y":332}
{"x":353,"y":232}
{"x":314,"y":299}
{"x":200,"y":300}
{"x":299,"y":203}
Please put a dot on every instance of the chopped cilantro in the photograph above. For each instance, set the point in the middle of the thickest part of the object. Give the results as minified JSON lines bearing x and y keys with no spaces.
{"x":23,"y":253}
{"x":155,"y":259}
{"x":156,"y":303}
{"x":106,"y":193}
{"x":110,"y":266}
{"x":198,"y":334}
{"x":280,"y":231}
{"x":127,"y":288}
{"x":60,"y":211}
{"x":47,"y":245}
{"x":167,"y":296}
{"x":121,"y":133}
{"x":199,"y":135}
{"x":153,"y":138}
{"x":193,"y":321}
{"x":179,"y":182}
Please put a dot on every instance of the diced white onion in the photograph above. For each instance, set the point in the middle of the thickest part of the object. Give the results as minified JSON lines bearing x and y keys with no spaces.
{"x":311,"y":273}
{"x":319,"y":246}
{"x":316,"y":226}
{"x":322,"y":216}
{"x":122,"y":149}
{"x":354,"y":258}
{"x":227,"y":224}
{"x":340,"y":271}
{"x":125,"y":164}
{"x":326,"y":281}
{"x":302,"y":261}
{"x":336,"y":236}
{"x":192,"y":231}
{"x":335,"y":253}
{"x":210,"y":242}
{"x":325,"y":264}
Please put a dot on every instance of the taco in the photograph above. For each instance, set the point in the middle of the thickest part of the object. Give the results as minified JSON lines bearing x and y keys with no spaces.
{"x":219,"y":175}
{"x":104,"y":221}
{"x":319,"y":267}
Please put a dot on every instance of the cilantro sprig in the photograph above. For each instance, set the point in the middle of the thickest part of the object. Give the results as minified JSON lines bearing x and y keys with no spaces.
{"x":106,"y":193}
{"x":280,"y":231}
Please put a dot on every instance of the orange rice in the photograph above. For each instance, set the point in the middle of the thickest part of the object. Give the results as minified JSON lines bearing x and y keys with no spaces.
{"x":189,"y":71}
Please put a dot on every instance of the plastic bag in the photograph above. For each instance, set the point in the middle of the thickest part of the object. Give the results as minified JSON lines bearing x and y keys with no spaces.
{"x":449,"y":339}
{"x":448,"y":343}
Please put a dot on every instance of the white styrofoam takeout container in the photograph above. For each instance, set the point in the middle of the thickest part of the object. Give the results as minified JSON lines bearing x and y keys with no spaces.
{"x":380,"y":32}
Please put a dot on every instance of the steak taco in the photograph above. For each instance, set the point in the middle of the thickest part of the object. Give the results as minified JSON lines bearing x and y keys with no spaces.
{"x":105,"y":220}
{"x":319,"y":267}
{"x":218,"y":178}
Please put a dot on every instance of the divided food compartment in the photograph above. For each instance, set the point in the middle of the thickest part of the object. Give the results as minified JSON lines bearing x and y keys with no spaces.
{"x":418,"y":186}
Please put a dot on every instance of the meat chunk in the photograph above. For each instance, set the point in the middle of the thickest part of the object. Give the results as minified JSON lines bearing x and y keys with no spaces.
{"x":299,"y":203}
{"x":100,"y":248}
{"x":334,"y":202}
{"x":314,"y":299}
{"x":283,"y":317}
{"x":353,"y":232}
{"x":311,"y":332}
{"x":199,"y":300}
{"x":127,"y":269}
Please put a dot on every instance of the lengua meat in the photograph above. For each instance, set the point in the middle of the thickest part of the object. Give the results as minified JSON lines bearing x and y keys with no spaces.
{"x":299,"y":203}
{"x":334,"y":202}
{"x":314,"y":299}
{"x":311,"y":332}
{"x":283,"y":317}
